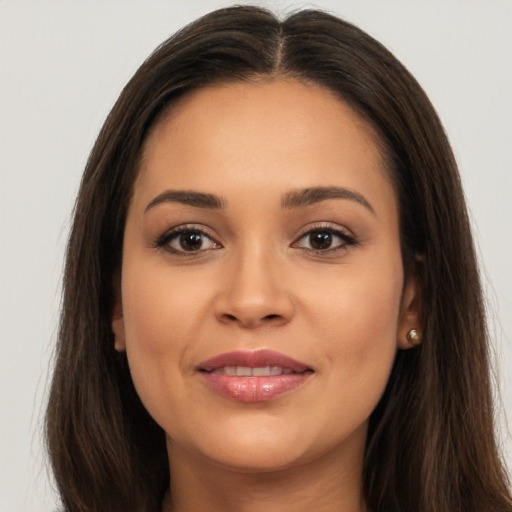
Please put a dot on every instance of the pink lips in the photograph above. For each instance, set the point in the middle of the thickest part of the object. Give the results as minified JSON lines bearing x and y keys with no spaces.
{"x":253,"y":376}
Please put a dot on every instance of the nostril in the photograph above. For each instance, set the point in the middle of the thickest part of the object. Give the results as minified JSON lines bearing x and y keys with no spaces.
{"x":251,"y":321}
{"x":267,"y":317}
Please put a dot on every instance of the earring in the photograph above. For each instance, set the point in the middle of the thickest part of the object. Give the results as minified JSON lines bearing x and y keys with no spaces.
{"x":413,"y":338}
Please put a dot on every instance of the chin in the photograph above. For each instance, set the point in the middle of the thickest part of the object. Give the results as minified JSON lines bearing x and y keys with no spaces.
{"x":265,"y":447}
{"x":247,"y":448}
{"x":255,"y":459}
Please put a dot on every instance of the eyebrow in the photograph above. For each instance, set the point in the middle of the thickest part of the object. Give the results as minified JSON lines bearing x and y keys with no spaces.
{"x":291,"y":200}
{"x":190,"y":198}
{"x":309,"y":196}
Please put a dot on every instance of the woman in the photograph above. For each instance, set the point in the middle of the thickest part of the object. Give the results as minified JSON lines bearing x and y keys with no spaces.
{"x":271,"y":299}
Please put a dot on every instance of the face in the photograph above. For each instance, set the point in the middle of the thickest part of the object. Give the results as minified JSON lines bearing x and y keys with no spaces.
{"x":262,"y":297}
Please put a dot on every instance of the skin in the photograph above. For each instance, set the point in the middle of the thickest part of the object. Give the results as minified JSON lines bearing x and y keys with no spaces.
{"x":256,"y":282}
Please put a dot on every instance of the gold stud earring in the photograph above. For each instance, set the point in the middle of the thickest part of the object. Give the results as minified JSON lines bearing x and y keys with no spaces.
{"x":413,"y":338}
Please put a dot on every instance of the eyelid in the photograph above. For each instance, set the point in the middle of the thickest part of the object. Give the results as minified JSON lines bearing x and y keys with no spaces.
{"x":335,"y":229}
{"x":163,"y":240}
{"x":324,"y":225}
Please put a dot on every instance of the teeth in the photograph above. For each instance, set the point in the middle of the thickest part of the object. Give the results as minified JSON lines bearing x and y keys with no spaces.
{"x":246,"y":371}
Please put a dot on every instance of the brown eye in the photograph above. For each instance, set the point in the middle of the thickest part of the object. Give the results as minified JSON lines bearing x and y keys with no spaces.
{"x":186,"y":240}
{"x":324,"y":240}
{"x":320,"y":240}
{"x":191,"y":241}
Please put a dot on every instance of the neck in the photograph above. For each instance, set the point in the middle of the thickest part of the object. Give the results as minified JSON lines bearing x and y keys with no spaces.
{"x":330,"y":483}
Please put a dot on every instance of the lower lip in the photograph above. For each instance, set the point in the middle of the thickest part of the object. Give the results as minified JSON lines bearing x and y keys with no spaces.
{"x":254,"y":389}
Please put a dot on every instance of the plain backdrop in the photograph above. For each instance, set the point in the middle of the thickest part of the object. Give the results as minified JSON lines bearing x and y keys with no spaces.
{"x":62,"y":65}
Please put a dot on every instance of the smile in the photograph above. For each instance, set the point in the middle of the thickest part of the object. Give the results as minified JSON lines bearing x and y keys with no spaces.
{"x":253,"y":376}
{"x":247,"y":371}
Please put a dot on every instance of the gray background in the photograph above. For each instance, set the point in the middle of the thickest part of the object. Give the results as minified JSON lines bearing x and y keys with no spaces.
{"x":62,"y":65}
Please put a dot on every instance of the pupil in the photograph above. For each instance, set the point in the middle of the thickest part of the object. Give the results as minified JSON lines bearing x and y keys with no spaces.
{"x":320,"y":240}
{"x":191,"y":241}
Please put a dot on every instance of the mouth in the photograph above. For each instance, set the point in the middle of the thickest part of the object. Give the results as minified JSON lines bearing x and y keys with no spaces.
{"x":247,"y":371}
{"x":253,"y":376}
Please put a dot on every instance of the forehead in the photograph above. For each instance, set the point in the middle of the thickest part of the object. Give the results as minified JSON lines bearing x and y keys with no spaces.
{"x":283,"y":133}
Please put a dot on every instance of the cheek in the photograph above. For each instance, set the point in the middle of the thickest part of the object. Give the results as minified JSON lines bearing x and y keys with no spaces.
{"x":362,"y":309}
{"x":159,"y":307}
{"x":160,"y":315}
{"x":359,"y":333}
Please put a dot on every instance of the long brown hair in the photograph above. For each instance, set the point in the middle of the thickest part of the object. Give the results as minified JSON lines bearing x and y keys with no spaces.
{"x":431,"y":444}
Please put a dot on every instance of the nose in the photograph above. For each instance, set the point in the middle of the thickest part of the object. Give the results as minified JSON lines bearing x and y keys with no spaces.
{"x":254,"y":293}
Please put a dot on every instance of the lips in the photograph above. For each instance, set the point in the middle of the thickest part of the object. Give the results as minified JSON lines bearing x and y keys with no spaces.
{"x":247,"y":371}
{"x":253,"y":376}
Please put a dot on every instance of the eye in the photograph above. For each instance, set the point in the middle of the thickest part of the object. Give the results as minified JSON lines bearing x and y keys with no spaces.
{"x":186,"y":239}
{"x":324,"y":239}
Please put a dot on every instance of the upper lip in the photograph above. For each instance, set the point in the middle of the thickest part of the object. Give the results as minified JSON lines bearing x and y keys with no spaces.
{"x":252,"y":359}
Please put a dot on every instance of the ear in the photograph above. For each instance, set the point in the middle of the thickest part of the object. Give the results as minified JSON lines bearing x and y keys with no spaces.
{"x":117,"y":317}
{"x":411,"y":314}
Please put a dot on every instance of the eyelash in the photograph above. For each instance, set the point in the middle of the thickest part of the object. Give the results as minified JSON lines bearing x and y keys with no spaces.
{"x":347,"y":240}
{"x":165,"y":240}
